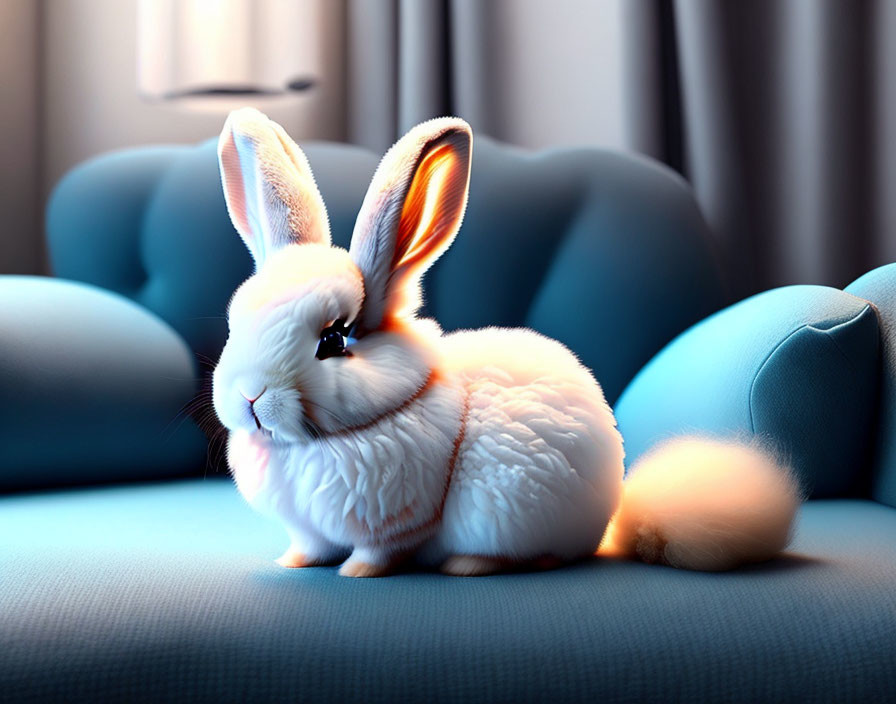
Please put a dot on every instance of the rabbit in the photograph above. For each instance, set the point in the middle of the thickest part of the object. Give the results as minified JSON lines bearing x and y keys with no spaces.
{"x":373,"y":437}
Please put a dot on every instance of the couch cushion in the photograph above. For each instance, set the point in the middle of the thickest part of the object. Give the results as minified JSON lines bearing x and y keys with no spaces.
{"x":150,"y":223}
{"x":795,"y":365}
{"x":879,"y":287}
{"x":168,"y":592}
{"x":91,"y":386}
{"x":582,"y":244}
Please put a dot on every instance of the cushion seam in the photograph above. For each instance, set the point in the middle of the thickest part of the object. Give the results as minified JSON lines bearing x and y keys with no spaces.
{"x":836,"y":344}
{"x":761,"y":367}
{"x":784,"y":342}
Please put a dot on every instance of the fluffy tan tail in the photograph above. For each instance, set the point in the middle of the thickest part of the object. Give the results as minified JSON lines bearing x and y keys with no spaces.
{"x":704,"y":504}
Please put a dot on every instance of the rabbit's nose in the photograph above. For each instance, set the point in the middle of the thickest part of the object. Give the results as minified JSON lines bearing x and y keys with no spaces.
{"x":252,"y":398}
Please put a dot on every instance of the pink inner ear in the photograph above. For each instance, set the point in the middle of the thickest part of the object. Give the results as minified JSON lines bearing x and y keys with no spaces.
{"x":433,"y":206}
{"x":234,"y":188}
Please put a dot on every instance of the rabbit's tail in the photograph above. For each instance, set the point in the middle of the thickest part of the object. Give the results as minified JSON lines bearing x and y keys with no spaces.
{"x":704,"y":504}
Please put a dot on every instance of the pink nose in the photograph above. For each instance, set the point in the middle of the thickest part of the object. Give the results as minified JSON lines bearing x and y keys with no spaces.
{"x":253,"y":400}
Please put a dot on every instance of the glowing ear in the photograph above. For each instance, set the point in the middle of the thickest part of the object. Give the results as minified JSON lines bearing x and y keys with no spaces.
{"x":268,"y":186}
{"x":410,"y":215}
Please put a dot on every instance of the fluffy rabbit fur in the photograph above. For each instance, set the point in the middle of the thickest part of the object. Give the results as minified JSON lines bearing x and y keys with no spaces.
{"x":474,"y":451}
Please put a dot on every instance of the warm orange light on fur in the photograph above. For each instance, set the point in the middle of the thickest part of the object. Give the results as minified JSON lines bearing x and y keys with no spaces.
{"x":423,"y":214}
{"x":705,"y":504}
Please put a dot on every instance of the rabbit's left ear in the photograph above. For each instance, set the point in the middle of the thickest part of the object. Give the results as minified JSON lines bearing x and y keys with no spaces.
{"x":270,"y":192}
{"x":410,"y":215}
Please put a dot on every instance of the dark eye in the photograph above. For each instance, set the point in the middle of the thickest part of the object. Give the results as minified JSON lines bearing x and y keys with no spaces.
{"x":332,"y":341}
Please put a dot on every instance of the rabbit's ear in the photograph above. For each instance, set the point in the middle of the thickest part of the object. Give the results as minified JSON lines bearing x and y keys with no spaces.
{"x":270,"y":191}
{"x":410,"y":215}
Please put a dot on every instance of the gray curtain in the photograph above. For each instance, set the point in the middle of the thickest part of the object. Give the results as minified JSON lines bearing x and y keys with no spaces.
{"x":409,"y":61}
{"x":781,"y":113}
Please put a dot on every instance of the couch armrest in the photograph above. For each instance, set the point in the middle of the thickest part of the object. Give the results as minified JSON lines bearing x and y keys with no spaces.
{"x":796,"y":366}
{"x":879,"y":287}
{"x":90,"y":388}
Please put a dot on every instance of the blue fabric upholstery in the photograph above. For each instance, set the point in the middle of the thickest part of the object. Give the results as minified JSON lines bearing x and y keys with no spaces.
{"x":796,"y":365}
{"x":92,"y":385}
{"x":168,"y":592}
{"x":879,"y":287}
{"x":584,"y":245}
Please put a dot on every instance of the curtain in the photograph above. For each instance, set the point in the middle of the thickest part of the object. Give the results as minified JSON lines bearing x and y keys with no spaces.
{"x":781,"y":113}
{"x":405,"y":65}
{"x":524,"y":71}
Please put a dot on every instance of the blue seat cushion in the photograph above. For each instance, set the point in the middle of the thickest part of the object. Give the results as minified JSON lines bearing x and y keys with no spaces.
{"x":91,"y":386}
{"x":797,"y":366}
{"x":879,"y":287}
{"x":168,"y":592}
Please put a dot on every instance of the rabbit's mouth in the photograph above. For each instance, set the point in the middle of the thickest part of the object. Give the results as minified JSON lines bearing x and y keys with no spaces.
{"x":254,"y":415}
{"x":261,"y":429}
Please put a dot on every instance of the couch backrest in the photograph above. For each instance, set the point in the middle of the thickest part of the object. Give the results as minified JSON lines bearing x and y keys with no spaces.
{"x":604,"y":251}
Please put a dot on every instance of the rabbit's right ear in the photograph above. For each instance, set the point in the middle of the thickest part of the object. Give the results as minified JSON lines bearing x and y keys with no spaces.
{"x":270,"y":191}
{"x":410,"y":215}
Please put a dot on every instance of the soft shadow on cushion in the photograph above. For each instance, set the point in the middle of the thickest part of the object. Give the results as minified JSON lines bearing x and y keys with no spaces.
{"x":796,"y":365}
{"x":91,"y":386}
{"x":879,"y":287}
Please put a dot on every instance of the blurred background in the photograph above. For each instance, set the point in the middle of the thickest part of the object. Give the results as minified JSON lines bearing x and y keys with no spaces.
{"x":780,"y":113}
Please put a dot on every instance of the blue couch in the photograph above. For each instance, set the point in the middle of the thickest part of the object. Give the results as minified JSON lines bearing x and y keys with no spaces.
{"x":130,"y":569}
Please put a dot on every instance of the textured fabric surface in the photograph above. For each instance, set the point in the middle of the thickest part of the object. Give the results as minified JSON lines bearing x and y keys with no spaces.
{"x":92,"y":386}
{"x":879,"y":287}
{"x":797,"y":366}
{"x":584,"y":245}
{"x":168,"y":592}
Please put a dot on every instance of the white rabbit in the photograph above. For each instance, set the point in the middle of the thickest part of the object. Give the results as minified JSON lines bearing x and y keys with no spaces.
{"x":371,"y":435}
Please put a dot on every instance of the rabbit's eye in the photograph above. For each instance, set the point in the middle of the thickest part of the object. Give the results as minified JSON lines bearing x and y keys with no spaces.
{"x":332,"y":341}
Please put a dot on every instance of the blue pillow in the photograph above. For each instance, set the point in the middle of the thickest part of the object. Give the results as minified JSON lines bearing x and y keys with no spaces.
{"x":91,"y":386}
{"x":879,"y":287}
{"x":796,"y":365}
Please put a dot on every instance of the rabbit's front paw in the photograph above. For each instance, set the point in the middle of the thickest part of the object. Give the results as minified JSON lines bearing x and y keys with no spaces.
{"x":307,"y":549}
{"x":367,"y":562}
{"x":296,"y":558}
